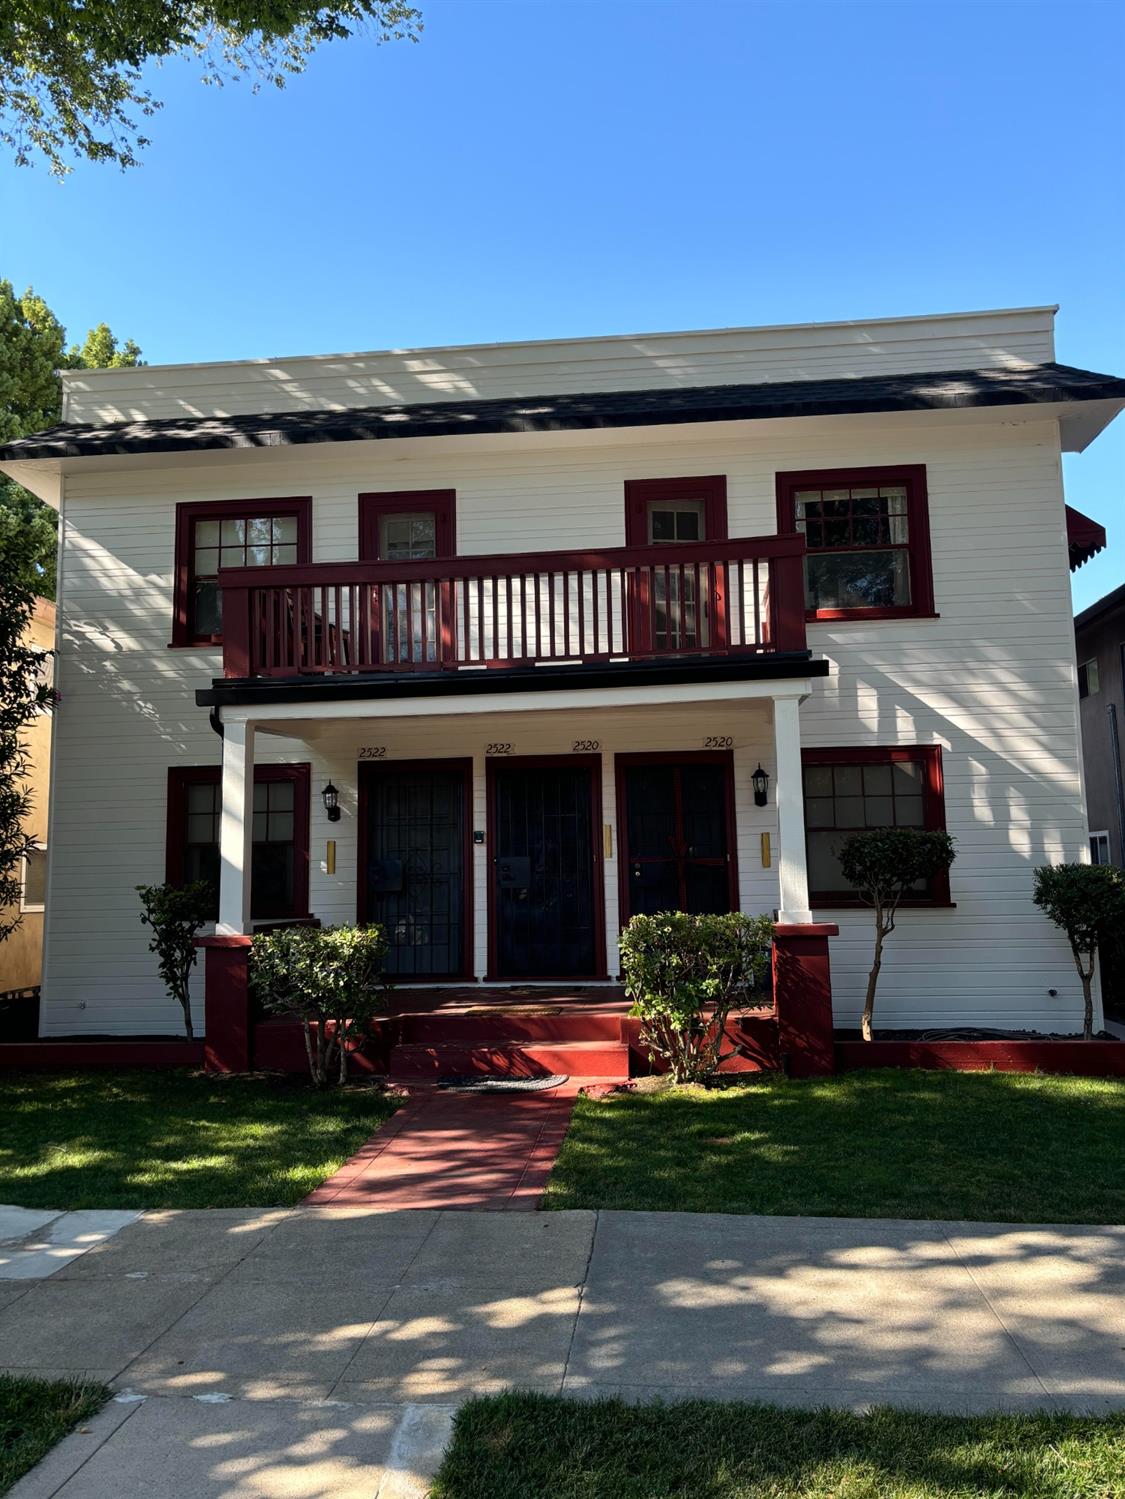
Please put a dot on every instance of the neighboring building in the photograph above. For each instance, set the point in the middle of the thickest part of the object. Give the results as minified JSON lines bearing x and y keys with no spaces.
{"x":537,"y":613}
{"x":21,"y":953}
{"x":1099,"y":636}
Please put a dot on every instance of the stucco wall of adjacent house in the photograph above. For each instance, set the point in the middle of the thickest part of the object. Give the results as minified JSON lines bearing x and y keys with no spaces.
{"x":21,"y":952}
{"x":1103,"y":641}
{"x":992,"y":680}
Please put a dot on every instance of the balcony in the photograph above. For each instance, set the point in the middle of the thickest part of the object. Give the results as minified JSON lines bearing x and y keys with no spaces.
{"x":738,"y":598}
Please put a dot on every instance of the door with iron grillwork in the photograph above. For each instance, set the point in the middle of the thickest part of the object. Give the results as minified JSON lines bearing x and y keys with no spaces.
{"x":414,"y":865}
{"x":546,"y":904}
{"x":677,"y":820}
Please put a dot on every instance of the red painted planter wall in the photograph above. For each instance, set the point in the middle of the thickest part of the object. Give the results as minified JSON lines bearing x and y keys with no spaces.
{"x":1073,"y":1058}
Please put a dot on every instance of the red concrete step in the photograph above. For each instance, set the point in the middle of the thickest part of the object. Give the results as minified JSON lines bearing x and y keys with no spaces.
{"x":600,"y":1059}
{"x":498,"y":1029}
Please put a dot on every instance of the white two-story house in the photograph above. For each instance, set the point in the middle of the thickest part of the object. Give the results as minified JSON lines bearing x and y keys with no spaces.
{"x":500,"y":645}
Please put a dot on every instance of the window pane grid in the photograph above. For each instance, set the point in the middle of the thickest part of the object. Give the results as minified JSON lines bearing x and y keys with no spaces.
{"x":843,"y":798}
{"x":252,"y":540}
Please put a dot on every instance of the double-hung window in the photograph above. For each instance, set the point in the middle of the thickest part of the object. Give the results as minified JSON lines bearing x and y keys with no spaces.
{"x":279,"y":871}
{"x":868,"y":536}
{"x":854,"y":790}
{"x":236,"y":533}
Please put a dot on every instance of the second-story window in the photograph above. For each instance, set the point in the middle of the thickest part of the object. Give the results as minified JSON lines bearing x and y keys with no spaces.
{"x":1088,"y":680}
{"x":868,"y":538}
{"x":241,"y":533}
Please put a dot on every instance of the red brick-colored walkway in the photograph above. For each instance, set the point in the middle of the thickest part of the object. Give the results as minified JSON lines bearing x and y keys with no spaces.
{"x":457,"y":1150}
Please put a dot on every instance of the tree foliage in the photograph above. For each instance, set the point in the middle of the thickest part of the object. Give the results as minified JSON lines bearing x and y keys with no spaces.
{"x":884,"y":865}
{"x":32,"y":351}
{"x":177,"y":914}
{"x":23,"y":693}
{"x":685,"y":975}
{"x":331,"y":978}
{"x":71,"y":74}
{"x":1088,"y":902}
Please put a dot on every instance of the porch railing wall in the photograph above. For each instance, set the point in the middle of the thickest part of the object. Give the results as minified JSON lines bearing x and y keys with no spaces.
{"x":738,"y":597}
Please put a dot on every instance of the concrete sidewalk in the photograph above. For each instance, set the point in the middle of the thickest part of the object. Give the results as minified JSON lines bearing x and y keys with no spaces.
{"x":320,"y":1351}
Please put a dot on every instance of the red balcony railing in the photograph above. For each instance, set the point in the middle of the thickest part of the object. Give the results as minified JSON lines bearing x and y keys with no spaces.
{"x":741,"y":597}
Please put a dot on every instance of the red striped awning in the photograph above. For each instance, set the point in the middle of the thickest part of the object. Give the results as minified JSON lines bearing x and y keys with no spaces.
{"x":1084,"y":537}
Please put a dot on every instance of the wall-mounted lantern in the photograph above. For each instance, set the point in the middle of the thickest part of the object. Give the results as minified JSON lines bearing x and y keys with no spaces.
{"x":761,"y":782}
{"x":331,"y":802}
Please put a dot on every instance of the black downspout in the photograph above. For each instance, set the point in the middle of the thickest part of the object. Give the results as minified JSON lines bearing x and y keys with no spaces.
{"x":216,"y":721}
{"x":1119,"y":793}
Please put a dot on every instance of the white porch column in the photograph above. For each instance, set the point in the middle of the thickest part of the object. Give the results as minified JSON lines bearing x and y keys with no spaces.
{"x":236,"y":830}
{"x":792,"y":864}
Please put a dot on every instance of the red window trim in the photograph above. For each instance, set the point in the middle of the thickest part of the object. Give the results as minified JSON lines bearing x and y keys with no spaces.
{"x":370,"y":770}
{"x":913,"y":476}
{"x":933,"y":809}
{"x":711,"y":489}
{"x":180,"y":777}
{"x":188,"y":513}
{"x":443,"y":502}
{"x":621,"y":763}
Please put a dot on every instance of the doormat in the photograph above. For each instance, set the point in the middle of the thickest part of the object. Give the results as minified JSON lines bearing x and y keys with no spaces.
{"x":474,"y":1083}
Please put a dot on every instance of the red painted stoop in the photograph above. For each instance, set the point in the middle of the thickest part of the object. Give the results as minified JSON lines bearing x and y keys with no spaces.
{"x":579,"y":1044}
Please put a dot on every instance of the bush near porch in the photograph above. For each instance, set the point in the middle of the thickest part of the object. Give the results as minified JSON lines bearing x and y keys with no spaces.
{"x":170,"y":1139}
{"x":1003,"y":1147}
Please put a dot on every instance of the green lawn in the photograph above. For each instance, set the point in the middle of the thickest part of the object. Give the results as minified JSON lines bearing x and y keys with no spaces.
{"x":174,"y":1139}
{"x":524,"y":1446}
{"x":1003,"y":1147}
{"x":37,"y":1413}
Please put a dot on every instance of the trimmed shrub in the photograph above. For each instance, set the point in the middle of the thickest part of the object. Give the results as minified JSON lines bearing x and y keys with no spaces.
{"x":331,"y":978}
{"x":884,"y":865}
{"x":177,"y":914}
{"x":685,"y":975}
{"x":1088,"y":902}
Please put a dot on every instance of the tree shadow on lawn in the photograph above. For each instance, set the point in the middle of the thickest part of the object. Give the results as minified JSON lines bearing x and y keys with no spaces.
{"x":1003,"y":1147}
{"x":163,"y":1139}
{"x":532,"y":1446}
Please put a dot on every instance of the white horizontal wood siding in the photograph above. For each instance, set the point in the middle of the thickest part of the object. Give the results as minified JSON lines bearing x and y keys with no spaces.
{"x":651,"y":361}
{"x":991,"y":680}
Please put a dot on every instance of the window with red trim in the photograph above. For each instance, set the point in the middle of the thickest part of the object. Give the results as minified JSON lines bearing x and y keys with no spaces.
{"x":230,"y":533}
{"x":665,"y":511}
{"x":279,"y":872}
{"x":408,"y":525}
{"x":868,"y":536}
{"x":853,"y":790}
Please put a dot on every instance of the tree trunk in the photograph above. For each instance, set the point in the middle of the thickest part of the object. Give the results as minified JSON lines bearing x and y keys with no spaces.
{"x":185,"y":1001}
{"x":1088,"y":1002}
{"x":873,"y":979}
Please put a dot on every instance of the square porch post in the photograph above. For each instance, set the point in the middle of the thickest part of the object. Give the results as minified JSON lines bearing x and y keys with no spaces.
{"x":802,"y":983}
{"x":792,"y":863}
{"x":236,"y":830}
{"x":228,"y":1046}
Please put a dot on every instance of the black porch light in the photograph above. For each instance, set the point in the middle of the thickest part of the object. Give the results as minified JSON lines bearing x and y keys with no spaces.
{"x":761,"y":781}
{"x":331,"y":802}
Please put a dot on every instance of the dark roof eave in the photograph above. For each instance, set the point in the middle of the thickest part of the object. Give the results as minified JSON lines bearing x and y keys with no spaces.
{"x":873,"y":394}
{"x":261,"y":692}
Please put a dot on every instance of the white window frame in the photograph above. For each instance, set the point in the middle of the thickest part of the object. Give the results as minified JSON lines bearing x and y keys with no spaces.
{"x":1103,"y":838}
{"x":25,"y":909}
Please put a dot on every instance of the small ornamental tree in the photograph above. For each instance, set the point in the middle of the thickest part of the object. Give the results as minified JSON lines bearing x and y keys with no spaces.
{"x":1088,"y":902}
{"x":685,"y":975}
{"x":177,"y":914}
{"x":883,"y":866}
{"x":331,"y":978}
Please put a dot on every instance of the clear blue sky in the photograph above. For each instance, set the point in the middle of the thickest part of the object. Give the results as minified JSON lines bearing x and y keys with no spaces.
{"x":540,"y":168}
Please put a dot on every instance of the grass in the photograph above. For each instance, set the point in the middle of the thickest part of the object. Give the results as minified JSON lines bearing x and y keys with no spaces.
{"x":37,"y":1413}
{"x":997,"y":1147}
{"x":526,"y":1446}
{"x":174,"y":1139}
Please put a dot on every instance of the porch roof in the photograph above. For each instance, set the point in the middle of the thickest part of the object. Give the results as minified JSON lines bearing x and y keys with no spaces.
{"x":1038,"y":384}
{"x":234,"y":692}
